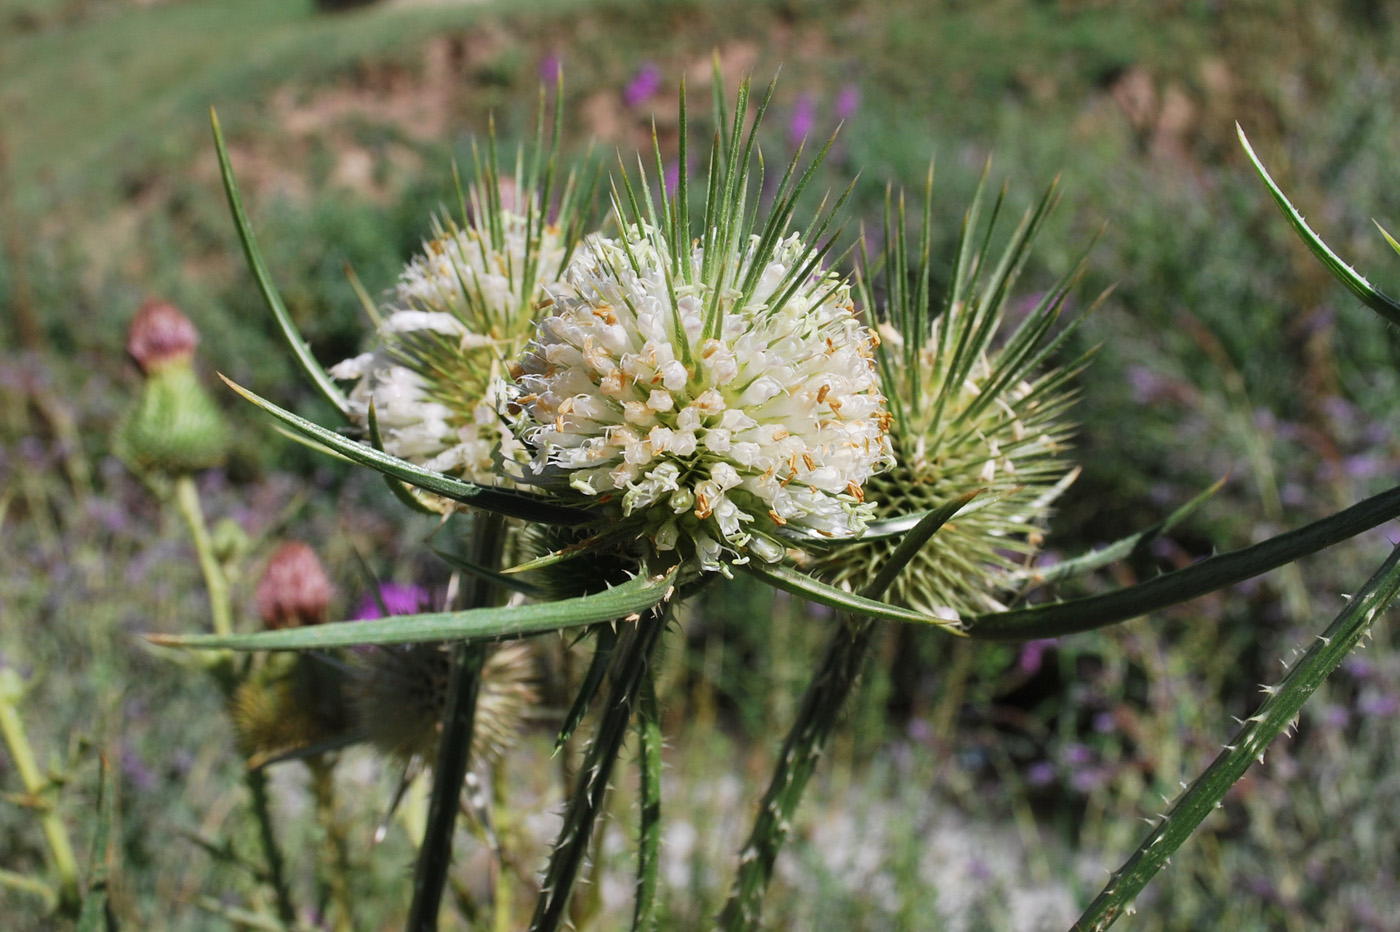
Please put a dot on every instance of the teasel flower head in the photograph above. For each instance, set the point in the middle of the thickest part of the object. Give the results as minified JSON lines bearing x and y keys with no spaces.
{"x":175,"y":427}
{"x":461,"y":308}
{"x":715,"y":396}
{"x":974,"y":406}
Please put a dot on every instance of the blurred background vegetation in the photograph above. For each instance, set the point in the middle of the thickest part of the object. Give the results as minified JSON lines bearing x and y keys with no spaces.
{"x":990,"y":785}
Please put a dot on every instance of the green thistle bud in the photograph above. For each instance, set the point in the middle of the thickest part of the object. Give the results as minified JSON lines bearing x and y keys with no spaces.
{"x":968,"y":411}
{"x":175,"y":427}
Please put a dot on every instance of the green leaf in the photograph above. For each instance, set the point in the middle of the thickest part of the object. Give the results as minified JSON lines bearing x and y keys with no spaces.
{"x":323,"y":382}
{"x":1208,"y":575}
{"x":1369,"y":295}
{"x":510,"y":583}
{"x":636,"y":595}
{"x":865,"y":605}
{"x":1278,"y":711}
{"x":402,"y":492}
{"x":605,"y":641}
{"x":1120,"y":549}
{"x":790,"y":580}
{"x":506,"y":502}
{"x":914,"y":541}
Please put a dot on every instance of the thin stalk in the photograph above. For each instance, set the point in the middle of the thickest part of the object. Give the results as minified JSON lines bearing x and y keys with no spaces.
{"x":256,"y":781}
{"x":1276,"y":714}
{"x":831,"y":685}
{"x":220,"y":606}
{"x":454,"y":753}
{"x":55,"y":833}
{"x":337,"y":859}
{"x":649,"y":834}
{"x":629,"y":672}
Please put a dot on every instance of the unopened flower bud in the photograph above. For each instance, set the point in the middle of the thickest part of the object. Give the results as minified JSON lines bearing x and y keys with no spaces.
{"x":294,"y":589}
{"x":175,"y":428}
{"x":160,"y":334}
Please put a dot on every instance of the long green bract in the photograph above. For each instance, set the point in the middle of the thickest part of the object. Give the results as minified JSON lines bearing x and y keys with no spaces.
{"x":636,"y":595}
{"x":328,"y":389}
{"x":1369,"y":295}
{"x":506,"y":502}
{"x":1209,"y":575}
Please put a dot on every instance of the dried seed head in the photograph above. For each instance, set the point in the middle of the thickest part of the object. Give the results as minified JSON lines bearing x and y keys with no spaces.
{"x":399,"y":695}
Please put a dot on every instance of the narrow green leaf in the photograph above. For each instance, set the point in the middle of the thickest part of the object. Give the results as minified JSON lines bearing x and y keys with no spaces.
{"x":1277,"y":713}
{"x":506,"y":502}
{"x":790,"y":580}
{"x":603,"y":646}
{"x":1120,"y":549}
{"x":323,"y":382}
{"x":1369,"y":295}
{"x":402,"y":492}
{"x":1183,"y":585}
{"x":914,"y":541}
{"x":507,"y":582}
{"x":1388,"y":238}
{"x":636,"y":595}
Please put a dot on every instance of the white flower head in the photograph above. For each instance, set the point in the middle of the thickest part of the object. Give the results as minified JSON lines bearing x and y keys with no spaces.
{"x":461,"y":308}
{"x":708,"y":401}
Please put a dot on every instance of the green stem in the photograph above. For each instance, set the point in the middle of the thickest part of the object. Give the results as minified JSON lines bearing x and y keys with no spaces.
{"x":256,"y":781}
{"x":1276,"y":714}
{"x":454,"y":753}
{"x":649,"y":836}
{"x":630,"y":671}
{"x":29,"y":885}
{"x":220,"y":606}
{"x":337,"y":858}
{"x":832,"y":683}
{"x":55,"y":833}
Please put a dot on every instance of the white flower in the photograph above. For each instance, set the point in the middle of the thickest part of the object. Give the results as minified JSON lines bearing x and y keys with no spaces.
{"x":460,"y":308}
{"x":708,"y":417}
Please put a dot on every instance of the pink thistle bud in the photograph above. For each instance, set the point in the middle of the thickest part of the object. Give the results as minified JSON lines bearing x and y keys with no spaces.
{"x":160,"y":334}
{"x":294,"y":589}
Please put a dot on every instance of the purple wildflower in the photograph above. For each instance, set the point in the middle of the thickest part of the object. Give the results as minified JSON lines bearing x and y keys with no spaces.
{"x":643,"y":86}
{"x":804,"y":119}
{"x":398,"y":599}
{"x":550,"y":66}
{"x":1033,"y":653}
{"x":847,"y":102}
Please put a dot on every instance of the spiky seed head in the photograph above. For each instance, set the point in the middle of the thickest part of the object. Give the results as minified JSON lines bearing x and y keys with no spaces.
{"x":294,"y":589}
{"x":461,"y":308}
{"x":972,"y":408}
{"x":399,"y":697}
{"x":290,"y":702}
